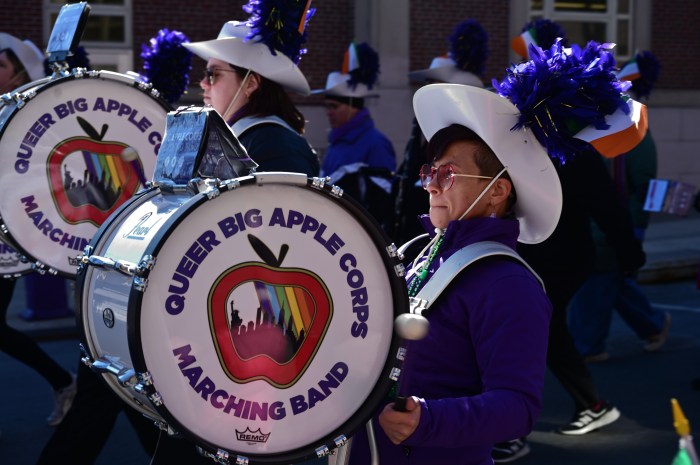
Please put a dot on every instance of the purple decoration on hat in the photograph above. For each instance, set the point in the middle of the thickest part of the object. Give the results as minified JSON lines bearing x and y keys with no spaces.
{"x":648,"y":74}
{"x":279,"y":24}
{"x":166,"y":63}
{"x":545,"y":32}
{"x":368,"y":70}
{"x":468,"y":46}
{"x":560,"y":91}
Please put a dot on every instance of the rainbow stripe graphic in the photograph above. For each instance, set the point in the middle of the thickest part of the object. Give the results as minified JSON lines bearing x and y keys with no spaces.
{"x":290,"y":307}
{"x":115,"y":173}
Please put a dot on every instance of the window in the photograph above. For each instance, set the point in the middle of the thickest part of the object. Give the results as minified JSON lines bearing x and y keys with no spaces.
{"x":108,"y":34}
{"x":585,"y":20}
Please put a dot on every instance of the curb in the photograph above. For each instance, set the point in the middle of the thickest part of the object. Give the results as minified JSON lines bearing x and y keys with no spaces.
{"x":663,"y":272}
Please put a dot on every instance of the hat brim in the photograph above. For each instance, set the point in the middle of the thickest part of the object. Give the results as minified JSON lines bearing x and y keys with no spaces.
{"x":28,"y":54}
{"x":491,"y":117}
{"x":337,"y":85}
{"x":255,"y":57}
{"x":447,"y":74}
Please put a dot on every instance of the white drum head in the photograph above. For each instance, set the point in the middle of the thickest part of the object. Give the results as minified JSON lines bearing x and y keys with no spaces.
{"x":72,"y":154}
{"x":267,"y":323}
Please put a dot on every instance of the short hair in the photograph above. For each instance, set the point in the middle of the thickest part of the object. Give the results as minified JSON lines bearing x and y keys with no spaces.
{"x":270,"y":99}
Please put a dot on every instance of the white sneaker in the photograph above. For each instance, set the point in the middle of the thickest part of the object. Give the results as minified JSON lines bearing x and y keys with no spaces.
{"x":63,"y":399}
{"x":590,"y":420}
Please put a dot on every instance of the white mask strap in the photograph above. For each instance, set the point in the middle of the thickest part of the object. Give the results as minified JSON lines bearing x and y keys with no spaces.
{"x":488,"y":186}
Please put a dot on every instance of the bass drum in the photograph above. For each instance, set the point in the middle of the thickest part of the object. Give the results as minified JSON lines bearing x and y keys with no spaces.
{"x":75,"y":148}
{"x":256,"y":321}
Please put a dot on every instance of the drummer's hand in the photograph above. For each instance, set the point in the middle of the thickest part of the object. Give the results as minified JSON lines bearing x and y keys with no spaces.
{"x":400,"y":425}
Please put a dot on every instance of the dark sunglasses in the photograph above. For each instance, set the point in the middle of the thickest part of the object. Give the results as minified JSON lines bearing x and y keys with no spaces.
{"x":444,"y":174}
{"x":210,"y":74}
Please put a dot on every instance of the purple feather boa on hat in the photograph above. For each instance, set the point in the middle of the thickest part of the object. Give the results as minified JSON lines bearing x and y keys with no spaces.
{"x":648,"y":74}
{"x":167,"y":63}
{"x":469,"y":46}
{"x":560,"y":91}
{"x":368,"y":70}
{"x":275,"y":23}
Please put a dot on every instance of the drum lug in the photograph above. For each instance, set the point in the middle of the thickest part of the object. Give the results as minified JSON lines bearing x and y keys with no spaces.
{"x":230,"y":184}
{"x":139,"y":284}
{"x":417,"y":306}
{"x":395,"y":374}
{"x":146,"y":263}
{"x":156,"y":399}
{"x":393,"y":251}
{"x":340,"y":441}
{"x":221,"y":456}
{"x":400,"y":270}
{"x":318,"y":183}
{"x":322,"y":451}
{"x":207,"y":186}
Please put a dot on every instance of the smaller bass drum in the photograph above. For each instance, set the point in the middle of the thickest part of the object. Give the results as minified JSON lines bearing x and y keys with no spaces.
{"x":256,"y":321}
{"x":74,"y":148}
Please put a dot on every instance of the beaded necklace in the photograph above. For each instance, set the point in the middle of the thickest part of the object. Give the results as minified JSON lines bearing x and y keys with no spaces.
{"x":419,"y":278}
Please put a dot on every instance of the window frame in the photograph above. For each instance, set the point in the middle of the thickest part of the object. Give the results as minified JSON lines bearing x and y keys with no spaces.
{"x":610,"y":18}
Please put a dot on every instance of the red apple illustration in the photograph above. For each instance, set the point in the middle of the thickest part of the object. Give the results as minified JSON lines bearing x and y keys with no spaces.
{"x":112,"y":174}
{"x":294,"y":312}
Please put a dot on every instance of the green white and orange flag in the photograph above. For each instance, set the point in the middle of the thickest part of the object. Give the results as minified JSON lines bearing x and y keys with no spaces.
{"x":521,"y":44}
{"x":624,"y":133}
{"x":629,"y":72}
{"x":686,"y":454}
{"x":350,"y":60}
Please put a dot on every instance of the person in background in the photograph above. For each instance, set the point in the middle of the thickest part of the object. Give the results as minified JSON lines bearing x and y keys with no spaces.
{"x":462,"y":64}
{"x":360,"y":159}
{"x":566,"y":258}
{"x":246,"y":81}
{"x":609,"y":288}
{"x":21,"y":62}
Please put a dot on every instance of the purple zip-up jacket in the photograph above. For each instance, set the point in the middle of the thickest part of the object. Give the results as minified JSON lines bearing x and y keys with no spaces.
{"x":480,"y":371}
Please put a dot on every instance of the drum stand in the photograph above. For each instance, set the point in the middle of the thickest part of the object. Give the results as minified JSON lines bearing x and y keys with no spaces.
{"x":342,"y":455}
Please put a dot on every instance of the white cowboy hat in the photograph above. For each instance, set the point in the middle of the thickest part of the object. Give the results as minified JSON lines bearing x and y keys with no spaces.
{"x":337,"y":84}
{"x":28,"y":54}
{"x":444,"y":69}
{"x":491,"y":117}
{"x":231,"y":47}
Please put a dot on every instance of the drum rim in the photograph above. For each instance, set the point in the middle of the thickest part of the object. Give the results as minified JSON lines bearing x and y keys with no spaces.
{"x":379,"y":390}
{"x":47,"y":83}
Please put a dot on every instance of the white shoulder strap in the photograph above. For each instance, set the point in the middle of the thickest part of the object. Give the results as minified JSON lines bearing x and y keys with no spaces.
{"x":243,"y":124}
{"x":455,"y":264}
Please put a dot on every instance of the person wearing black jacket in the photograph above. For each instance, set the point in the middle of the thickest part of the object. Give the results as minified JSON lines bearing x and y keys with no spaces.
{"x":564,"y":261}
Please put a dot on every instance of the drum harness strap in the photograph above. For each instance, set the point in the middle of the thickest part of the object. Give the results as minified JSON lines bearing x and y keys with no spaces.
{"x":243,"y":124}
{"x":454,"y":265}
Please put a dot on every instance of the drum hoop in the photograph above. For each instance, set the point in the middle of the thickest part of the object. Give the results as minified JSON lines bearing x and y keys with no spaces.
{"x":47,"y":83}
{"x":380,"y":388}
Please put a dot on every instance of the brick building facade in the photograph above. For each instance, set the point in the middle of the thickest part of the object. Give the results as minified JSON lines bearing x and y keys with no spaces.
{"x":408,"y":34}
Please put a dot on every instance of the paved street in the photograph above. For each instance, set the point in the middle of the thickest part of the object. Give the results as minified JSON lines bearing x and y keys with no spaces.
{"x":640,"y":384}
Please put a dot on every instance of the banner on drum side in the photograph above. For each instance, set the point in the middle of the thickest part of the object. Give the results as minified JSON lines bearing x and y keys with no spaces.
{"x":199,"y":143}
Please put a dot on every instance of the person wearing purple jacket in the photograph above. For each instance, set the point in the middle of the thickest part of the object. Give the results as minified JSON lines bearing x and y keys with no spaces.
{"x":478,"y":375}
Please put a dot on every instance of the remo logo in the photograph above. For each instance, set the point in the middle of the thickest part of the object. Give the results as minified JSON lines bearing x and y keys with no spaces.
{"x":268,"y":321}
{"x":90,"y":177}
